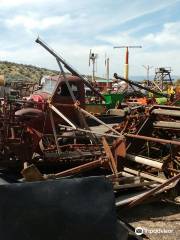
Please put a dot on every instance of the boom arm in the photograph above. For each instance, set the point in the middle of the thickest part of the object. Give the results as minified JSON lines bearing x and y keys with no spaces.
{"x":68,"y":67}
{"x":139,"y":86}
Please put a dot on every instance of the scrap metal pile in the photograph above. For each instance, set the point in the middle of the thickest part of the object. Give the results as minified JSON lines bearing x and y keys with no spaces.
{"x":51,"y":135}
{"x":153,"y":136}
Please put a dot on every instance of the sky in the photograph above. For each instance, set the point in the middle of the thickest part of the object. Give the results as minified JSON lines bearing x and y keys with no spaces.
{"x":72,"y":28}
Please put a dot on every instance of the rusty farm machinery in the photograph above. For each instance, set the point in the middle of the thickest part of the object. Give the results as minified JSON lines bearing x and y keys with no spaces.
{"x":51,"y":136}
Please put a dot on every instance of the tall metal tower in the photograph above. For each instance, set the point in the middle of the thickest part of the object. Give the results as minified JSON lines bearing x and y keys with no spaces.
{"x":93,"y":58}
{"x":147,"y":69}
{"x":107,"y":69}
{"x":163,"y":77}
{"x":126,"y":72}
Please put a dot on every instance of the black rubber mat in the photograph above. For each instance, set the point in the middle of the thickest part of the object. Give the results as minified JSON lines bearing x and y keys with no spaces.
{"x":66,"y":209}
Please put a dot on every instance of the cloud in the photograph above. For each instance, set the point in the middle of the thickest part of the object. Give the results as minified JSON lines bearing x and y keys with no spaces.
{"x":73,"y":27}
{"x":169,"y":36}
{"x":17,"y":3}
{"x":9,"y":3}
{"x":30,"y":23}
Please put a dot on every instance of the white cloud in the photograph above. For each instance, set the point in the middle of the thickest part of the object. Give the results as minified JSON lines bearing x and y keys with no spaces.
{"x":13,"y":3}
{"x":169,"y":36}
{"x":16,"y":3}
{"x":30,"y":23}
{"x":80,"y":25}
{"x":160,"y":49}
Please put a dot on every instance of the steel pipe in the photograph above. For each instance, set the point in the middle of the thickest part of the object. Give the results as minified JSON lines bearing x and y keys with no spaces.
{"x":144,"y":161}
{"x":144,"y":175}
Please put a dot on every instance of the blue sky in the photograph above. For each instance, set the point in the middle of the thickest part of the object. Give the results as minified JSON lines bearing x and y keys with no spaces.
{"x":73,"y":27}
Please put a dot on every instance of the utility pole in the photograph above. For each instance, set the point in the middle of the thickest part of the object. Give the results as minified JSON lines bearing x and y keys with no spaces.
{"x":126,"y":72}
{"x":147,"y":69}
{"x":107,"y":69}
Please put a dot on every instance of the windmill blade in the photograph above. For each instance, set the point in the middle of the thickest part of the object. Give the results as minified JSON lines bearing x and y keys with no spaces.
{"x":105,"y":59}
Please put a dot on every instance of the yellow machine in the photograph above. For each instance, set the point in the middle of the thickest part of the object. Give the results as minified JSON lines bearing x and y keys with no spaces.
{"x":170,"y":90}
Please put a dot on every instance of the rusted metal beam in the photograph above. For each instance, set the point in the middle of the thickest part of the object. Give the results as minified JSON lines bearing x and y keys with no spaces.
{"x":160,"y":140}
{"x":31,"y":173}
{"x":80,"y":168}
{"x":153,"y":191}
{"x":112,"y":162}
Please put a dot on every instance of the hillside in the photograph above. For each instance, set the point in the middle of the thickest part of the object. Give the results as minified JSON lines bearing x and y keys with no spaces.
{"x":21,"y":72}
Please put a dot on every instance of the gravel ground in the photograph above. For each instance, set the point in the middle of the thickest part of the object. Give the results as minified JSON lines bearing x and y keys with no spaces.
{"x":160,"y":220}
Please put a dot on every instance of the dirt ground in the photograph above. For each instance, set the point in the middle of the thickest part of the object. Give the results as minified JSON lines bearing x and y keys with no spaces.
{"x":159,"y":220}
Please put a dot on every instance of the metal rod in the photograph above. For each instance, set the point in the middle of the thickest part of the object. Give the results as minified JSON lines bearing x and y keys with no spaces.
{"x":160,"y":140}
{"x":54,"y":131}
{"x":128,"y":46}
{"x":62,"y":115}
{"x":98,"y":120}
{"x":154,"y":190}
{"x":89,"y":131}
{"x":144,"y":175}
{"x":80,"y":168}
